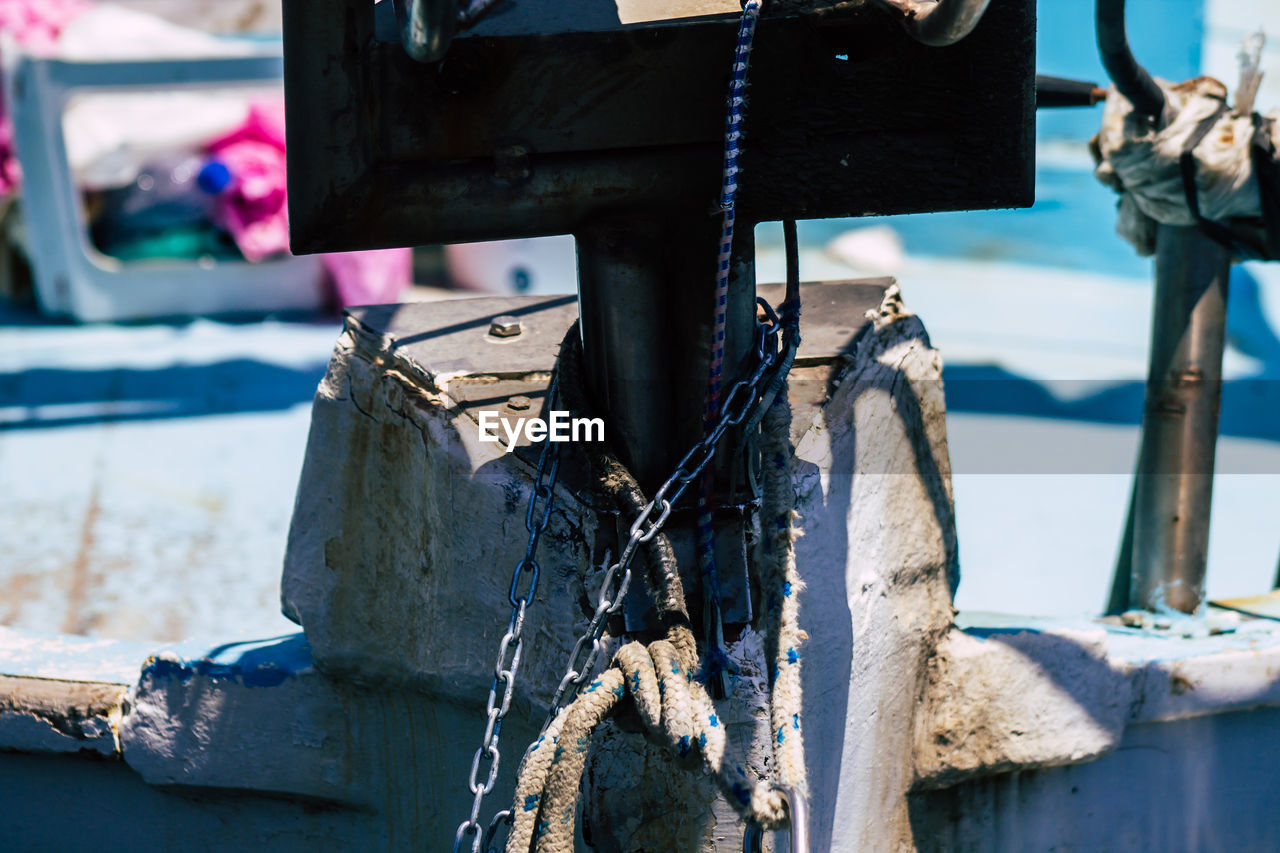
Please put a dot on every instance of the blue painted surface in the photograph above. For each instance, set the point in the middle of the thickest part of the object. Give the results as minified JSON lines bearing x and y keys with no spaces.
{"x":263,"y":663}
{"x":1249,"y":405}
{"x":1166,"y":37}
{"x":1136,"y":646}
{"x":1072,"y":224}
{"x":125,"y":384}
{"x":253,"y":663}
{"x":147,"y":471}
{"x":62,"y":657}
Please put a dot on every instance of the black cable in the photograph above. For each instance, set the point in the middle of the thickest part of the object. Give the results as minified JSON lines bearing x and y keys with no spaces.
{"x":791,"y":244}
{"x":1131,"y":79}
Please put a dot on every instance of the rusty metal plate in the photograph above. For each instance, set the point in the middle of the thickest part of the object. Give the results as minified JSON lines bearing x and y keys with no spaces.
{"x":451,"y":337}
{"x":526,"y":134}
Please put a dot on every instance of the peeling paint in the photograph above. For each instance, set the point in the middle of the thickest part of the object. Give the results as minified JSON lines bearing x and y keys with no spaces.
{"x":41,"y":715}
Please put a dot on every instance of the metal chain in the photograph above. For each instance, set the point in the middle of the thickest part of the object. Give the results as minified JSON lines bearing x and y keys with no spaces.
{"x":735,"y":408}
{"x":536,"y":520}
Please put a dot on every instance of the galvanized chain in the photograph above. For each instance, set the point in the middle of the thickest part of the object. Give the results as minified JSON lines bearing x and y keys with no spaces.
{"x":537,"y":518}
{"x":735,"y":408}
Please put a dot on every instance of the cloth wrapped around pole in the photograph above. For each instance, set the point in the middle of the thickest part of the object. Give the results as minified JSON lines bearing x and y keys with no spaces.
{"x":1204,"y":165}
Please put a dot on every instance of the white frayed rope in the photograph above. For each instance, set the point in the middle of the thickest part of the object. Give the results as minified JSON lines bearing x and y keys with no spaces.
{"x":1201,"y":163}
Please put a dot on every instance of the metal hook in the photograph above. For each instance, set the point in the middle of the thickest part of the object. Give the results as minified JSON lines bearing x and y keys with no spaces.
{"x":501,"y":819}
{"x":938,"y":22}
{"x":798,"y":817}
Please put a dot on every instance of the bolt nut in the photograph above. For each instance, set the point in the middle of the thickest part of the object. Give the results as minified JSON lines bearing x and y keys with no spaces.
{"x":505,"y":326}
{"x":519,"y":403}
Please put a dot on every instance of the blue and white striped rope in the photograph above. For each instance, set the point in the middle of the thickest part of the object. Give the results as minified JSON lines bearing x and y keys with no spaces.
{"x":728,"y":196}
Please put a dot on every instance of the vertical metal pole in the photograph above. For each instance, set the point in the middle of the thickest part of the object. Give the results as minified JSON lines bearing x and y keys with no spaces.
{"x":1173,"y":492}
{"x":644,"y":293}
{"x":1174,"y":488}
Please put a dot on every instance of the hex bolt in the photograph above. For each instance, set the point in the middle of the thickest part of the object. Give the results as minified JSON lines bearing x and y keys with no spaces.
{"x":505,"y":326}
{"x":519,"y":403}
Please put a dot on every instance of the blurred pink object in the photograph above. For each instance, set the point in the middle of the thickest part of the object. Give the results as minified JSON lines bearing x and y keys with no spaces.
{"x":254,"y":209}
{"x":370,"y":278}
{"x":35,"y":25}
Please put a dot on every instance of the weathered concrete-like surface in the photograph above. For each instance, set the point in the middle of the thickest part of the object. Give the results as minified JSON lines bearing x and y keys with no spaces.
{"x":245,"y":746}
{"x":394,"y":574}
{"x":1206,"y":783}
{"x":39,"y":715}
{"x":1006,"y":734}
{"x":260,"y":720}
{"x":1015,"y":694}
{"x":407,"y":527}
{"x":248,"y":746}
{"x":879,"y":557}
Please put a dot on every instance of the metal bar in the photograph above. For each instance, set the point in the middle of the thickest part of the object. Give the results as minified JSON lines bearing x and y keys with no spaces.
{"x":1174,"y":488}
{"x":644,"y":291}
{"x":143,"y":74}
{"x":385,"y":151}
{"x":1168,"y":522}
{"x":1061,"y":92}
{"x":1131,"y":79}
{"x":938,"y":22}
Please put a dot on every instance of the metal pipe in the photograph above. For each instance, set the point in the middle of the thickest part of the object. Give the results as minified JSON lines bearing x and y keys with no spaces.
{"x":1131,"y":79}
{"x":937,"y":22}
{"x":1168,"y":523}
{"x":1059,"y":92}
{"x":644,"y":293}
{"x":1174,"y":489}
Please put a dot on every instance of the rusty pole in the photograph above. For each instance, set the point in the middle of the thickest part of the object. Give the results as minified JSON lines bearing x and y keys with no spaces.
{"x":1173,"y":491}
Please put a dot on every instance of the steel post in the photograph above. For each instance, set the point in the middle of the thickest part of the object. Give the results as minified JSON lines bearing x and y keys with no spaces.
{"x":1174,"y":487}
{"x":645,"y":299}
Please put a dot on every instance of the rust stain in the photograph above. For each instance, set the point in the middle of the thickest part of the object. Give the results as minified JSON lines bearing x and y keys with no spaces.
{"x":78,"y":587}
{"x":21,"y":588}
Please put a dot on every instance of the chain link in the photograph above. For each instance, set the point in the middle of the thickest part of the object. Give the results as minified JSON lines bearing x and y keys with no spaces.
{"x":511,"y":646}
{"x":743,"y":397}
{"x":735,"y":407}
